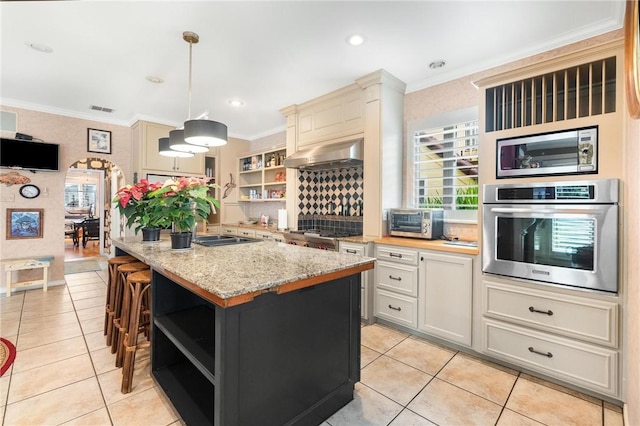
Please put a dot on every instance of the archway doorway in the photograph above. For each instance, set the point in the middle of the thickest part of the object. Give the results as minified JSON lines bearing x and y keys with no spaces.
{"x":90,"y":185}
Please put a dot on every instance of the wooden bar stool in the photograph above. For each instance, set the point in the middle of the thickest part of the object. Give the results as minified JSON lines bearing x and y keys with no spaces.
{"x":113,"y":263}
{"x":138,"y":286}
{"x":121,"y":303}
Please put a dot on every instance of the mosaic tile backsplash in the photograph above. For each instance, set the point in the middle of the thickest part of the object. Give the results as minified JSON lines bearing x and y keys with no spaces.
{"x":351,"y":225}
{"x":331,"y":192}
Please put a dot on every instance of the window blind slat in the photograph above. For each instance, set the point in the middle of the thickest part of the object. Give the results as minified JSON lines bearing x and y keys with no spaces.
{"x":446,"y":167}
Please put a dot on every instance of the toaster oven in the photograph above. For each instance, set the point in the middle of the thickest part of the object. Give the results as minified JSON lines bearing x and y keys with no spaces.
{"x":416,"y":223}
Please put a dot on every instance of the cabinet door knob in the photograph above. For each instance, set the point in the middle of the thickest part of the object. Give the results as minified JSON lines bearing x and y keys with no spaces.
{"x":532,"y":309}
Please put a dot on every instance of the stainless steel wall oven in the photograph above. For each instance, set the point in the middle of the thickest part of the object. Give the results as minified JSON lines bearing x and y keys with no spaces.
{"x":555,"y":232}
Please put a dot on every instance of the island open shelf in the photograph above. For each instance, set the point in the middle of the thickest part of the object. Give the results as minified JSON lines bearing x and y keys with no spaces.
{"x":281,"y":359}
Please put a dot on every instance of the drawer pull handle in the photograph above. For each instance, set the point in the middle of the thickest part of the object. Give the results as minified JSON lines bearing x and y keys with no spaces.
{"x":398,"y":255}
{"x":532,"y":309}
{"x":391,"y":277}
{"x":264,"y":236}
{"x":548,"y":354}
{"x":351,"y":251}
{"x":395,"y":308}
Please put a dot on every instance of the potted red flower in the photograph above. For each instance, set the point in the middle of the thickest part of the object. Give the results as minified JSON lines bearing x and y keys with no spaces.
{"x":142,"y":212}
{"x":181,"y":202}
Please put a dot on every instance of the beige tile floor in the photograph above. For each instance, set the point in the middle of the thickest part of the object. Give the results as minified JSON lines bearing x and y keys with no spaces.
{"x":65,"y":375}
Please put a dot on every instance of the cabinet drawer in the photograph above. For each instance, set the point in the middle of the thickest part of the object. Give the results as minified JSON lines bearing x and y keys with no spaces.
{"x":399,"y":278}
{"x":229,"y":230}
{"x":352,"y":248}
{"x":586,"y":319}
{"x":397,"y":255}
{"x":250,"y":233}
{"x":397,"y":308}
{"x":582,"y":364}
{"x":263,"y":235}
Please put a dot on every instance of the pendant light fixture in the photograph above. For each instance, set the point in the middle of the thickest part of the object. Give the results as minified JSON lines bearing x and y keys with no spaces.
{"x":201,"y":132}
{"x":177,"y":143}
{"x":164,"y":148}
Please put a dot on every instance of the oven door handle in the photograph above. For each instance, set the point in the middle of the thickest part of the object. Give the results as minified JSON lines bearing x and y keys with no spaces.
{"x":517,"y":210}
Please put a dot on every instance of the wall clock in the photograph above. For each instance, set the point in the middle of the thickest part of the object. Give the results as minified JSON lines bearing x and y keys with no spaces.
{"x":29,"y":191}
{"x":632,"y":56}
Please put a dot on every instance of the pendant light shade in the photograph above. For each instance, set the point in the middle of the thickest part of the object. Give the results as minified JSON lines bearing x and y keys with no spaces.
{"x":177,"y":143}
{"x":164,"y":148}
{"x":205,"y":133}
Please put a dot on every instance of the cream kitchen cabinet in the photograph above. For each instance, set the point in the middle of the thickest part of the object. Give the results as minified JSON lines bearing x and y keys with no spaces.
{"x":228,"y":230}
{"x":268,"y":235}
{"x":396,"y":285}
{"x":147,"y":160}
{"x":565,"y":336}
{"x":338,"y":115}
{"x":246,"y":232}
{"x":366,"y":295}
{"x":445,"y":292}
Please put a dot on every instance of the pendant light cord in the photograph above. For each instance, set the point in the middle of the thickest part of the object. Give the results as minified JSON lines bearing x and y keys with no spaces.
{"x":190,"y":59}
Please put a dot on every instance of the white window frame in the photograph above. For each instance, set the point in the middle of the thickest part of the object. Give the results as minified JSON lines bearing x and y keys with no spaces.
{"x":440,"y":120}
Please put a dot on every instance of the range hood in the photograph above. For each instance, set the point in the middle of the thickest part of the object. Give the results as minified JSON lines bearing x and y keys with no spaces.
{"x":340,"y":155}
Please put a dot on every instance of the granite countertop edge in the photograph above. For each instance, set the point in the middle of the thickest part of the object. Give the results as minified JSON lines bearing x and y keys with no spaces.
{"x":234,"y":270}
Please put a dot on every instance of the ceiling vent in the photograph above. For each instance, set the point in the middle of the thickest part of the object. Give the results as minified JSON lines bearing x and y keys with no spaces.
{"x":99,"y":108}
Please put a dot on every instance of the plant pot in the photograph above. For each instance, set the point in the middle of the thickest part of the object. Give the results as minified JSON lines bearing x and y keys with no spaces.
{"x":150,"y":234}
{"x":180,"y":240}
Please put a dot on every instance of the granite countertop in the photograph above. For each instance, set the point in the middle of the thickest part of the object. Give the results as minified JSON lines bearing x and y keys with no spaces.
{"x":438,"y":245}
{"x":244,"y":269}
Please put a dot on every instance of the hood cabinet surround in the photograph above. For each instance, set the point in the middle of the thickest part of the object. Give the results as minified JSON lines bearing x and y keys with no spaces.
{"x":372,"y":108}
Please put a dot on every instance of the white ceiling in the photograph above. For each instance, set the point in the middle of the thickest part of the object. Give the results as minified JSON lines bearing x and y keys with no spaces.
{"x":269,"y":54}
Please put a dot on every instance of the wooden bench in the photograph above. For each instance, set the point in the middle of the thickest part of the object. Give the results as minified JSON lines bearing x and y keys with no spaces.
{"x":13,"y":265}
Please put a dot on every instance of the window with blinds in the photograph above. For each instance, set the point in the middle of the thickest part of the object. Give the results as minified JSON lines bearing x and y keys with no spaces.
{"x":445,"y":162}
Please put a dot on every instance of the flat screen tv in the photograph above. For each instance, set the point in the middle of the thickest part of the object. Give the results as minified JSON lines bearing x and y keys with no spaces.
{"x":29,"y":155}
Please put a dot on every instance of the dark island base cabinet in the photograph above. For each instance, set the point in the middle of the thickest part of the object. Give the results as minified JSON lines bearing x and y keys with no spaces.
{"x":289,"y":359}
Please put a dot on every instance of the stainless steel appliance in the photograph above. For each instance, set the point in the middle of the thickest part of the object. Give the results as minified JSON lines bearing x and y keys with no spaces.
{"x":316,"y":238}
{"x":340,"y":155}
{"x":572,"y":151}
{"x":556,"y":232}
{"x":416,"y":223}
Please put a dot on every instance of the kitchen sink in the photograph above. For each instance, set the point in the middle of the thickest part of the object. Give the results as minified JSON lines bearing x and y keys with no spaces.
{"x":222,"y":240}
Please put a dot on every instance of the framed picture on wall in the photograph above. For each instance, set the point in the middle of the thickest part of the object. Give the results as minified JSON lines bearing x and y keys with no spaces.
{"x":99,"y":141}
{"x":24,"y":223}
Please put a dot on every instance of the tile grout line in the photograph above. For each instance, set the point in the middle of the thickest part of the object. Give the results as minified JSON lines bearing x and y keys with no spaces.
{"x":93,"y":366}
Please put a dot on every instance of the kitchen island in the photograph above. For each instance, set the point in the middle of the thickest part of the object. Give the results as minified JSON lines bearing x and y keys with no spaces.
{"x":256,"y":333}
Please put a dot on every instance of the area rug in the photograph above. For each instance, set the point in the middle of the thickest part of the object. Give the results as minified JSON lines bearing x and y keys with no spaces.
{"x":77,"y":266}
{"x":7,"y":355}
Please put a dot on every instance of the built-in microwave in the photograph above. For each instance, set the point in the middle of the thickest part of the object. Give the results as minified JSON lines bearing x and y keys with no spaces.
{"x":416,"y":223}
{"x":572,"y":151}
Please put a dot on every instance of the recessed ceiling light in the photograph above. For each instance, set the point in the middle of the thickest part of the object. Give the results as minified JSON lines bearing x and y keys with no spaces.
{"x":235,"y":102}
{"x":355,"y":39}
{"x":40,"y":47}
{"x":154,"y":79}
{"x":437,"y":64}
